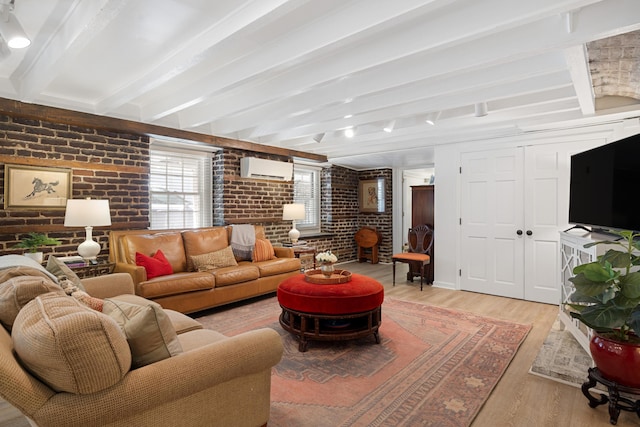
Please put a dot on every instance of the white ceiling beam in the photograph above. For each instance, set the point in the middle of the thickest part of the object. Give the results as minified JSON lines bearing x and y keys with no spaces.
{"x":423,"y":32}
{"x":346,"y":21}
{"x":82,"y":23}
{"x":192,"y":52}
{"x":470,"y":96}
{"x":386,"y":86}
{"x":578,"y":64}
{"x":531,"y":39}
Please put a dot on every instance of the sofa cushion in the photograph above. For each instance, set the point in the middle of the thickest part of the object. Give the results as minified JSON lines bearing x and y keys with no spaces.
{"x":70,"y":347}
{"x":263,"y":250}
{"x":278,"y":266}
{"x":62,"y":271}
{"x":17,"y":292}
{"x":209,"y":261}
{"x":170,"y":244}
{"x":181,"y":322}
{"x":156,"y":265}
{"x":233,"y":275}
{"x":175,"y":284}
{"x":198,"y":242}
{"x":149,"y":331}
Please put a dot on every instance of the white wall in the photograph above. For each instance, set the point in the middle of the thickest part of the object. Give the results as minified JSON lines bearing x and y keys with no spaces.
{"x":447,"y":190}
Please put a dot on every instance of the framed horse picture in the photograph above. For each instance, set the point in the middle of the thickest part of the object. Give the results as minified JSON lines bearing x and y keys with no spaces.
{"x":32,"y":187}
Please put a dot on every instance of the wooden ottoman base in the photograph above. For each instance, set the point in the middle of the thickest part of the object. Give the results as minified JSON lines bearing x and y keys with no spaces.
{"x":330,"y":327}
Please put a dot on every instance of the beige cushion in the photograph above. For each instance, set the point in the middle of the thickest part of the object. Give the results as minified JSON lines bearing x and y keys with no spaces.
{"x":70,"y":347}
{"x":149,"y":331}
{"x":62,"y":271}
{"x":216,"y":259}
{"x":181,"y":322}
{"x":17,"y":292}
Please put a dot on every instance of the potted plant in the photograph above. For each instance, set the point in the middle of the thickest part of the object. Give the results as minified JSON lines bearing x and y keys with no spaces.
{"x":607,"y":300}
{"x":35,"y":241}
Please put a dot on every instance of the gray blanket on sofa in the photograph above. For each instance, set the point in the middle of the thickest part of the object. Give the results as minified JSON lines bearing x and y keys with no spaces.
{"x":243,"y":240}
{"x":8,"y":261}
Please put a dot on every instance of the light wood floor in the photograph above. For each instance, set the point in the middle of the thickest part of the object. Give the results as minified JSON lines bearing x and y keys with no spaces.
{"x":520,"y":399}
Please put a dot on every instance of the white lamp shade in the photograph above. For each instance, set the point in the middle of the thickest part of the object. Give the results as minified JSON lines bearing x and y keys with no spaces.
{"x":87,"y":212}
{"x":293,"y":211}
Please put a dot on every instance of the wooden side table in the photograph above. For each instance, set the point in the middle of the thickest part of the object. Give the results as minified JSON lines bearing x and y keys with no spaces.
{"x":298,"y":251}
{"x":368,"y":240}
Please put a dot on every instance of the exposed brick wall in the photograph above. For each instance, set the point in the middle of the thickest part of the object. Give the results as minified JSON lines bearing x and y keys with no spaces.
{"x":383,"y":222}
{"x":341,"y":216}
{"x":116,"y":166}
{"x":247,"y":200}
{"x":104,"y":165}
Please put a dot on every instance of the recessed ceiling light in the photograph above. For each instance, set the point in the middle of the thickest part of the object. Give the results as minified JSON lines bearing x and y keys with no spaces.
{"x":389,"y":127}
{"x":348,"y":116}
{"x":349,"y":132}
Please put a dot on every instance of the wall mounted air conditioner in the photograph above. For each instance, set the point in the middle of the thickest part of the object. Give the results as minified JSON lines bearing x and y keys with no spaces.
{"x":253,"y":167}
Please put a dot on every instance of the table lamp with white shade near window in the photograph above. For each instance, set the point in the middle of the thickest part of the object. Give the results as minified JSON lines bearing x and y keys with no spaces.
{"x":292,"y":212}
{"x":87,"y":213}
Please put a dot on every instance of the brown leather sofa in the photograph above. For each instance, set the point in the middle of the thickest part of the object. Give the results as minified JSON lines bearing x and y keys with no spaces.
{"x":187,"y":290}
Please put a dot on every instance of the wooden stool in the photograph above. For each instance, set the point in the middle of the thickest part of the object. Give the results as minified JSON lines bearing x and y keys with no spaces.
{"x":368,"y":240}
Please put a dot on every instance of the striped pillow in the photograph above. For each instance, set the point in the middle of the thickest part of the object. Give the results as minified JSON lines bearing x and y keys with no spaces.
{"x":263,"y":251}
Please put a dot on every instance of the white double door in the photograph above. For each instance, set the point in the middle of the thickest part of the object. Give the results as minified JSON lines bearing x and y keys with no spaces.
{"x":514,"y":202}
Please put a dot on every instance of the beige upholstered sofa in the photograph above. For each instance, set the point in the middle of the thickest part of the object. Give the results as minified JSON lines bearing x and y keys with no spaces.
{"x":186,"y":289}
{"x":66,"y":364}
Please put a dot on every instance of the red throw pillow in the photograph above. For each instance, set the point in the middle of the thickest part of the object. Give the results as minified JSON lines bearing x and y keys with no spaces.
{"x":158,"y":265}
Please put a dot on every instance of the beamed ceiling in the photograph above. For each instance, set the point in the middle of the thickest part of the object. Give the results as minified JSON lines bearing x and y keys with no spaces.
{"x":283,"y":72}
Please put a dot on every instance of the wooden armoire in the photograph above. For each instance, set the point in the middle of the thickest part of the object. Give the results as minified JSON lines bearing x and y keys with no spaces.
{"x":422,"y":212}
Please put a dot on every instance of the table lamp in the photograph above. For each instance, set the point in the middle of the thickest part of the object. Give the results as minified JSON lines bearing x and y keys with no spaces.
{"x":292,"y":212}
{"x":87,"y":213}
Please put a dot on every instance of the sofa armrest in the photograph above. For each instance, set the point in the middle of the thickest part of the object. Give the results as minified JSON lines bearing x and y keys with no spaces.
{"x":282,"y":252}
{"x":109,"y":285}
{"x":177,"y":382}
{"x":138,"y":274}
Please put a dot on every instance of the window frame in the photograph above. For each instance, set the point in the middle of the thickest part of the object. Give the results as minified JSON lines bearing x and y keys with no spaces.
{"x":202,"y":155}
{"x":313,"y":204}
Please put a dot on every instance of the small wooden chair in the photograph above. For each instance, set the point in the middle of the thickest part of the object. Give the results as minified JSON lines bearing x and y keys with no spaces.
{"x":420,"y":243}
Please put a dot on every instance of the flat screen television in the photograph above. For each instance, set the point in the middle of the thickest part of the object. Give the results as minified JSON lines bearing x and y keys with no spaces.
{"x":605,"y":186}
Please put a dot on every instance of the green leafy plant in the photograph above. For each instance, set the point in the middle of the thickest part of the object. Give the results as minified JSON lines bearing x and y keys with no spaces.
{"x":37,"y":240}
{"x":607,"y":291}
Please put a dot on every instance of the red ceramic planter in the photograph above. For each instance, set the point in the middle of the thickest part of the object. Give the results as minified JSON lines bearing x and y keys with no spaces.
{"x":616,"y":361}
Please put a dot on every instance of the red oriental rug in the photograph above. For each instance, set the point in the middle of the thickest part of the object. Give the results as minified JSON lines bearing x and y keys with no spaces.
{"x":433,"y":367}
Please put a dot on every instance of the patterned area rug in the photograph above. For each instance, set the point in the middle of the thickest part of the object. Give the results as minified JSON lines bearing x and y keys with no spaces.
{"x":561,"y":358}
{"x":433,"y":367}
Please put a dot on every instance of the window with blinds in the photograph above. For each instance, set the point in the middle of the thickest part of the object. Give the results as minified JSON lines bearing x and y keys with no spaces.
{"x":306,"y":190}
{"x":180,"y":182}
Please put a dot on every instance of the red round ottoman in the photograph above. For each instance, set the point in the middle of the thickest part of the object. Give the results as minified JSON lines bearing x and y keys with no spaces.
{"x":330,"y":312}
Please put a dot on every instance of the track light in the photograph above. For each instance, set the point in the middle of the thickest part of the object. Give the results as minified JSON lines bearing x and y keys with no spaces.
{"x":389,"y":127}
{"x":432,"y":118}
{"x":11,"y":30}
{"x":318,"y":137}
{"x":481,"y":109}
{"x":350,"y":132}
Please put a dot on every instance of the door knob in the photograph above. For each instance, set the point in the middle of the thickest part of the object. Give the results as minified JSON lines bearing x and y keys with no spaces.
{"x":519,"y":232}
{"x":529,"y":232}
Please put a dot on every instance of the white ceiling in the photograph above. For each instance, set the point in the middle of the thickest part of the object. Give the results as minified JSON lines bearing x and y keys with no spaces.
{"x":279,"y":72}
